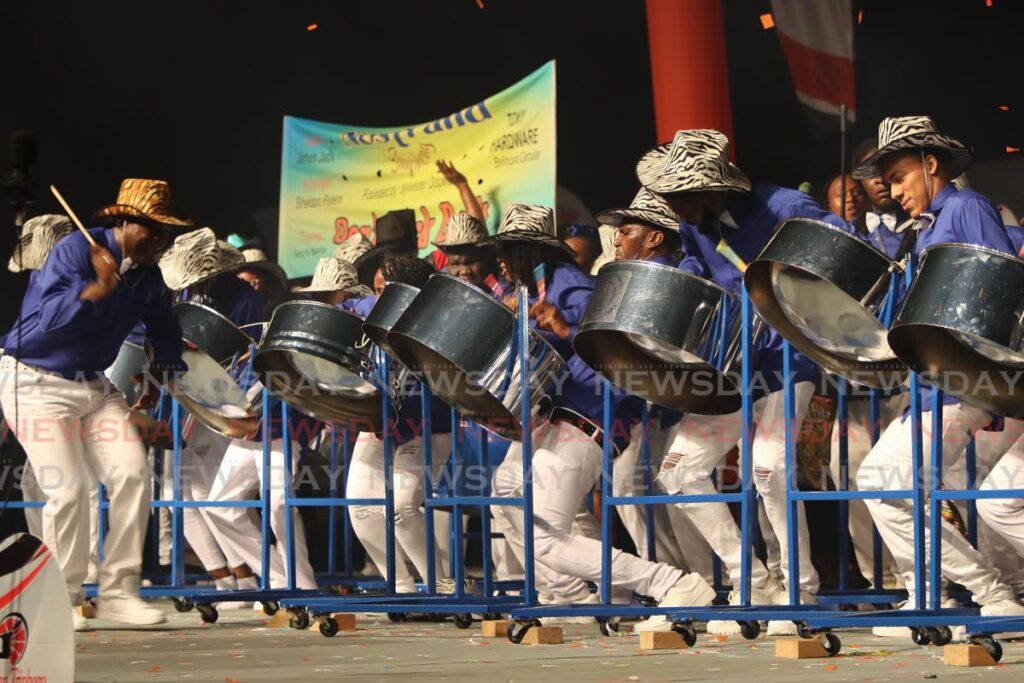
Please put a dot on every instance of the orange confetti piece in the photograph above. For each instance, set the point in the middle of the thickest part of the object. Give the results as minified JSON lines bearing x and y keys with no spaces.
{"x":153,"y":669}
{"x":721,"y":639}
{"x":1012,"y":150}
{"x":831,"y":667}
{"x":480,"y":4}
{"x":767,"y":21}
{"x":232,"y":680}
{"x":312,"y":27}
{"x":853,"y":646}
{"x":860,"y":16}
{"x":1004,"y":107}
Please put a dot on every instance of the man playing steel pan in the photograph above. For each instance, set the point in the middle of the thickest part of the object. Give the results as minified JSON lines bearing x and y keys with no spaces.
{"x":726,"y":221}
{"x":919,"y":163}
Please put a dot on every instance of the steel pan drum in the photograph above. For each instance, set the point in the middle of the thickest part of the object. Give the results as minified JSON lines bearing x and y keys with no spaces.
{"x":961,"y":326}
{"x":459,"y":341}
{"x":392,"y":303}
{"x":314,"y":355}
{"x":131,"y":362}
{"x":208,"y":391}
{"x":822,"y":289}
{"x":657,"y":332}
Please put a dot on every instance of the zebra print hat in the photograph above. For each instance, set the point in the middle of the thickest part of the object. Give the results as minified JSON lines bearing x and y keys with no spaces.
{"x":530,"y":223}
{"x":38,"y":237}
{"x":899,"y":133}
{"x":463,"y":231}
{"x":335,"y":275}
{"x":646,"y":207}
{"x":697,"y":161}
{"x":197,"y":256}
{"x":354,"y":246}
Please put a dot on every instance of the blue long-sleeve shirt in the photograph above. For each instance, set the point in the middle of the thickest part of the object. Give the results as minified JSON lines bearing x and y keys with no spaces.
{"x":569,"y":289}
{"x":756,"y":215}
{"x":1016,"y":234}
{"x":961,"y":217}
{"x":60,"y":333}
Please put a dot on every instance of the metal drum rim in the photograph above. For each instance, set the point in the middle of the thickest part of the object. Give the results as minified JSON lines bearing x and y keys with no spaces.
{"x":972,"y":247}
{"x":311,"y":302}
{"x":534,"y":335}
{"x":674,"y":269}
{"x":208,"y":309}
{"x":380,"y":330}
{"x":831,"y":228}
{"x":946,"y":328}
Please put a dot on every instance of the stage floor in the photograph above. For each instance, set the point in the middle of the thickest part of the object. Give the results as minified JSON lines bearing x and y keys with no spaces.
{"x":240,"y":648}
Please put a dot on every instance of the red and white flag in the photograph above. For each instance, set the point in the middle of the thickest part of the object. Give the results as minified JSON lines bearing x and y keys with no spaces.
{"x":817,"y":38}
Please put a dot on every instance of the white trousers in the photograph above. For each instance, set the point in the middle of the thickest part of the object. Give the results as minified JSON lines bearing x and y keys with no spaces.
{"x":676,"y":540}
{"x":30,"y":492}
{"x":240,"y":476}
{"x":862,"y":529}
{"x":74,"y":434}
{"x":889,"y":466}
{"x":700,"y":446}
{"x":566,"y":464}
{"x":200,"y":462}
{"x":1003,"y":516}
{"x":365,"y":479}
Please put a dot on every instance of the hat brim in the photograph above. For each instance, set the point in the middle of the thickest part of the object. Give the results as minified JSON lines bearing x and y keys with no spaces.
{"x":618,"y":217}
{"x":533,"y":237}
{"x":960,"y":158}
{"x":667,"y":182}
{"x":356,"y":291}
{"x":124,"y":211}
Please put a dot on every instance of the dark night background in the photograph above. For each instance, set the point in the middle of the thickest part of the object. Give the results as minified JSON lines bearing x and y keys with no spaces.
{"x":195,"y":92}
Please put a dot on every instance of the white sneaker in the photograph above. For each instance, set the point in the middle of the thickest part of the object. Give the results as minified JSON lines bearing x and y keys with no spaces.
{"x":690,"y":591}
{"x":723,"y":627}
{"x":129,"y":609}
{"x":788,"y":628}
{"x":904,"y":631}
{"x":79,"y":622}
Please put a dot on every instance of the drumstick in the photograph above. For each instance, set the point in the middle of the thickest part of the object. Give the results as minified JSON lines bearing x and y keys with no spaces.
{"x":74,"y":218}
{"x":731,"y":256}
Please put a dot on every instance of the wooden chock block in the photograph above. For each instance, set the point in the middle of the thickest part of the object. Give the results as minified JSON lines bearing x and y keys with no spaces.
{"x":280,"y":619}
{"x":966,"y":654}
{"x":661,"y":640}
{"x":346,"y":621}
{"x":87,"y":610}
{"x":543,"y":635}
{"x":496,"y":628}
{"x":799,"y":648}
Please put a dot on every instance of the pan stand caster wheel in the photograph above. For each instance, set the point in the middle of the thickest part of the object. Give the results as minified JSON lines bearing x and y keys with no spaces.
{"x":462,"y":621}
{"x":609,"y":626}
{"x":517,"y":629}
{"x":941,"y":636}
{"x":991,"y":645}
{"x":328,"y":626}
{"x":270,"y":607}
{"x":184,"y":605}
{"x":396,"y":617}
{"x":208,"y":613}
{"x":687,"y":631}
{"x":830,"y":642}
{"x":920,"y":635}
{"x":750,"y":630}
{"x":299,"y":620}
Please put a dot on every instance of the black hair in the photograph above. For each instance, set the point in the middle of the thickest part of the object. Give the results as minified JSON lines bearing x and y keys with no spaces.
{"x":584,"y":231}
{"x":407,"y":269}
{"x":821,"y":196}
{"x":671,"y":242}
{"x":523,"y":257}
